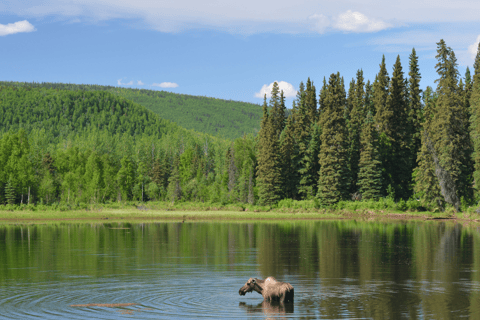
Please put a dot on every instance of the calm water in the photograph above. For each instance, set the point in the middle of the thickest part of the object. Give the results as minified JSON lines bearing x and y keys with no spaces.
{"x":340,"y":270}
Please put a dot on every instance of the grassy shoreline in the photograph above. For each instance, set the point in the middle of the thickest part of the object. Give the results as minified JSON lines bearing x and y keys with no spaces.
{"x":207,"y":212}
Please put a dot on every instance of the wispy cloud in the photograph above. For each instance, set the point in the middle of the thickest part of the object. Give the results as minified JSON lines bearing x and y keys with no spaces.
{"x":288,"y":90}
{"x":17,"y":27}
{"x":120,"y":83}
{"x":165,"y":85}
{"x":253,"y":16}
{"x":140,"y":83}
{"x":349,"y":21}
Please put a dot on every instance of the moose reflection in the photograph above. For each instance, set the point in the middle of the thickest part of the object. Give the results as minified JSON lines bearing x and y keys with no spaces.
{"x":269,"y":308}
{"x":270,"y":289}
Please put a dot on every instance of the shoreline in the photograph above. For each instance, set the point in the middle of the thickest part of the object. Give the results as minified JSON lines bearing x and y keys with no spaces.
{"x":156,"y":215}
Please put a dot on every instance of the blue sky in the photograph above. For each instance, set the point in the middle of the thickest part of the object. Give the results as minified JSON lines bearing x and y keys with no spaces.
{"x":226,"y":49}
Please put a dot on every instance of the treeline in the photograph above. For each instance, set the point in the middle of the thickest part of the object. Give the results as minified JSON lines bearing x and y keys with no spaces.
{"x":374,"y":140}
{"x":386,"y":138}
{"x":223,"y":118}
{"x":60,"y":146}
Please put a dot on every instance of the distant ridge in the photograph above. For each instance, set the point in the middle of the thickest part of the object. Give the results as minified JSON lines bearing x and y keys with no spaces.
{"x":223,"y":118}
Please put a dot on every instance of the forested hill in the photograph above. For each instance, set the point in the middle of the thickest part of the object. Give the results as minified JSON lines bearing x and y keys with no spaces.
{"x":223,"y":118}
{"x":63,"y":114}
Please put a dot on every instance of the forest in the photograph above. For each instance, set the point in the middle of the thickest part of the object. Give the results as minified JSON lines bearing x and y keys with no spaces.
{"x":222,"y":118}
{"x":379,"y":140}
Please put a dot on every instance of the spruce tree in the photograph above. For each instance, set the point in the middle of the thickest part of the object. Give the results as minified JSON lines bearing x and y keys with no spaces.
{"x":449,"y":143}
{"x":380,"y":94}
{"x":310,"y":166}
{"x":354,"y":126}
{"x":396,"y":136}
{"x":414,"y":106}
{"x":269,"y":178}
{"x":475,"y":122}
{"x":277,"y":110}
{"x":427,"y":187}
{"x":369,"y":105}
{"x":321,"y":100}
{"x":370,"y":166}
{"x":311,"y":102}
{"x":332,"y":183}
{"x":289,"y":160}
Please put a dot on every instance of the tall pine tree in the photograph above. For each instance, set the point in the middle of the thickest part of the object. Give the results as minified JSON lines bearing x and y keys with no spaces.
{"x":269,"y":172}
{"x":354,"y":125}
{"x":414,"y":107}
{"x":475,"y":122}
{"x":332,"y":183}
{"x":370,"y":166}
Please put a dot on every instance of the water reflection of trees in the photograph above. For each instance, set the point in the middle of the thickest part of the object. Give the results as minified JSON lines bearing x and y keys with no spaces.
{"x":351,"y":269}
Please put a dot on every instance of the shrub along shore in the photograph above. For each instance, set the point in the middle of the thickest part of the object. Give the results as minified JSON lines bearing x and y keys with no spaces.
{"x":384,"y":209}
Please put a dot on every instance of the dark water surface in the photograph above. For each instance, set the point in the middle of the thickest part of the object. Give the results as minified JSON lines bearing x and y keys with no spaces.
{"x":340,"y":270}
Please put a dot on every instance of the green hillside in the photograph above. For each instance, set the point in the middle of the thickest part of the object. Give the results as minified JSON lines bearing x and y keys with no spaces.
{"x":93,"y":146}
{"x":222,"y":118}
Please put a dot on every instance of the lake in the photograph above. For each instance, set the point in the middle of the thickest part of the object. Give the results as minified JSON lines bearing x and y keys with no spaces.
{"x":173,"y":270}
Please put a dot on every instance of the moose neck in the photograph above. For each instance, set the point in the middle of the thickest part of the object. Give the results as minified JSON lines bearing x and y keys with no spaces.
{"x":259,"y":286}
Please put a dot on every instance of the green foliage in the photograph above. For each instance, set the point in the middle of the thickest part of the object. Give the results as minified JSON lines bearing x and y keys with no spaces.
{"x":415,"y":116}
{"x":332,"y":183}
{"x":427,"y":186}
{"x":223,"y":118}
{"x":370,"y":167}
{"x":354,"y":121}
{"x":475,"y":123}
{"x":269,"y":173}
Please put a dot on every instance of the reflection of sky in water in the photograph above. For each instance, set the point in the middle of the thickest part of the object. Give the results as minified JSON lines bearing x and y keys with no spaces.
{"x":340,"y":269}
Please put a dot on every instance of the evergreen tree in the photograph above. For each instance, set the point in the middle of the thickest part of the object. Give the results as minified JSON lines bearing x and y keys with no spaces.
{"x":269,"y":178}
{"x":311,"y":103}
{"x":332,"y":183}
{"x":321,"y":100}
{"x":380,"y":94}
{"x":450,"y":143}
{"x":370,"y":166}
{"x":427,"y":186}
{"x":289,"y":160}
{"x":475,"y":122}
{"x":369,"y":105}
{"x":396,"y":136}
{"x":310,"y":166}
{"x":354,"y":125}
{"x":277,"y":110}
{"x":414,"y":106}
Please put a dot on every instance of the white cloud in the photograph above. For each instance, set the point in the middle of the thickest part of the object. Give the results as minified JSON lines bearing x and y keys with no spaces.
{"x":17,"y":27}
{"x":140,"y":83}
{"x":472,"y":49}
{"x":348,"y":21}
{"x":253,"y":16}
{"x":120,"y":83}
{"x":351,"y":21}
{"x":165,"y":85}
{"x":288,"y":90}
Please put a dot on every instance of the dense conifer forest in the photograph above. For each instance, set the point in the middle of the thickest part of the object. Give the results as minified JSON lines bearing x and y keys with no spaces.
{"x":222,"y":118}
{"x":372,"y":141}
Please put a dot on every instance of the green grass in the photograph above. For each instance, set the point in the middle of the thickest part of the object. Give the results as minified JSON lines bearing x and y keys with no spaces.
{"x":195,"y":211}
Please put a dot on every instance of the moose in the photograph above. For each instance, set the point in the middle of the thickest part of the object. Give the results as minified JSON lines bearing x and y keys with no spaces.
{"x":270,"y":289}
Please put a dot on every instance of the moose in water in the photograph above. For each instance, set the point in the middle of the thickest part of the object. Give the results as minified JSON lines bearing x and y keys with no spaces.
{"x":270,"y":289}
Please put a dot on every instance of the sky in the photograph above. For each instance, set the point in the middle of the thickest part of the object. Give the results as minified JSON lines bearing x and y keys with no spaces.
{"x":227,"y":49}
